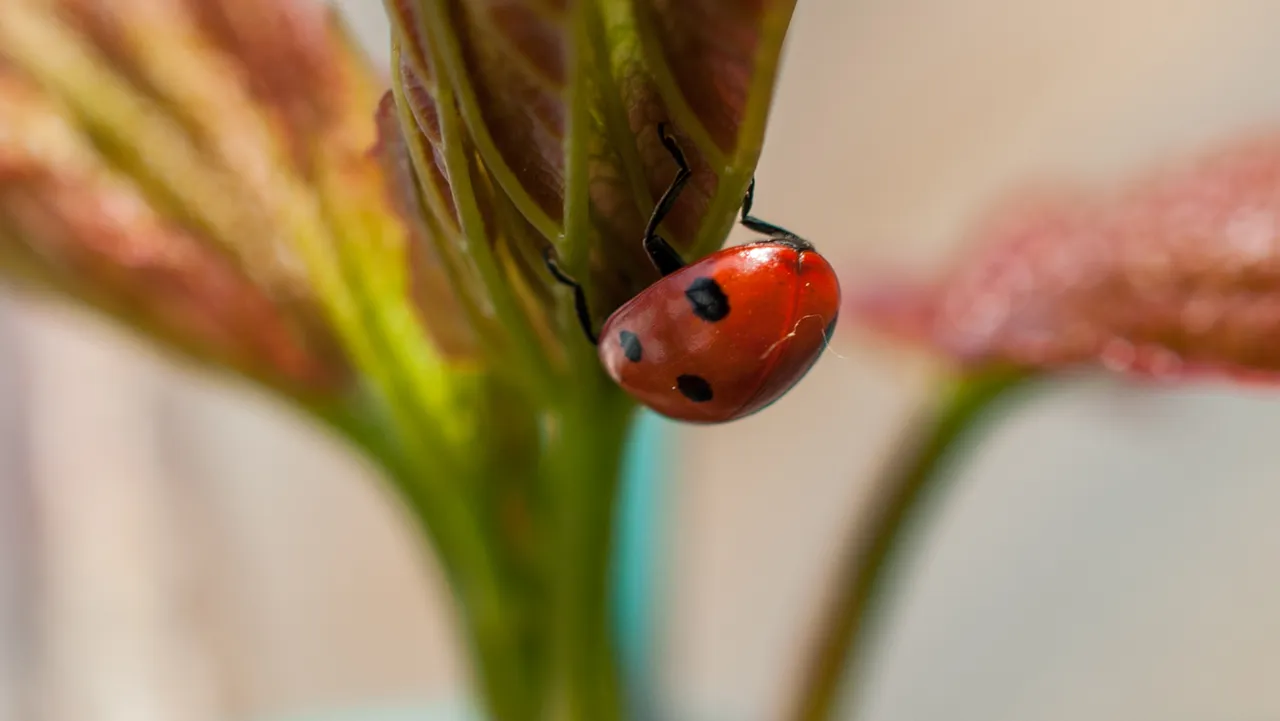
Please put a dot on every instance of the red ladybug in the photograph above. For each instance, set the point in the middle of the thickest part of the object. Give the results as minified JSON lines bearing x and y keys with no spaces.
{"x":725,"y":336}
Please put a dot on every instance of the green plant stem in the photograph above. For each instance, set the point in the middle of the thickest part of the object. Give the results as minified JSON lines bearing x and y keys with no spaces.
{"x":501,"y":678}
{"x":917,"y":468}
{"x":584,"y":467}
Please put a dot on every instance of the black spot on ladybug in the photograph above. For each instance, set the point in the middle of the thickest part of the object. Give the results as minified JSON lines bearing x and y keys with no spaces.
{"x":695,"y":388}
{"x":631,"y":347}
{"x":831,"y":328}
{"x":708,"y":299}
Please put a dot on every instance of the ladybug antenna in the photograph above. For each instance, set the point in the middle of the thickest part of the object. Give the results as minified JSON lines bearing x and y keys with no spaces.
{"x":579,"y":296}
{"x":775,"y":233}
{"x":664,"y":257}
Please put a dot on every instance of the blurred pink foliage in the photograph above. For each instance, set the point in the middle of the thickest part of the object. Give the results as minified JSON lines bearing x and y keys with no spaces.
{"x":1176,"y":274}
{"x":165,"y":160}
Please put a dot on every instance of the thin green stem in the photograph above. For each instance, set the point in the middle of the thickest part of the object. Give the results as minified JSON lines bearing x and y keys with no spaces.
{"x":584,"y":466}
{"x":912,"y":474}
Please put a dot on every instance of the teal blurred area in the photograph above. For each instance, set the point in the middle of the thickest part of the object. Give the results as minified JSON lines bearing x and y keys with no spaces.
{"x":639,"y":570}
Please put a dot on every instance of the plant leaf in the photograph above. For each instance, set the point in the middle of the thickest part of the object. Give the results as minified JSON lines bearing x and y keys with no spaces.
{"x":441,"y":308}
{"x":238,"y":127}
{"x":81,"y":227}
{"x":516,"y":66}
{"x":710,"y":67}
{"x":1178,"y":274}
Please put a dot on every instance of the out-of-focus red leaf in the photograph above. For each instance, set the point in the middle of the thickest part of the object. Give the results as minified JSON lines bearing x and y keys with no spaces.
{"x":1178,"y":274}
{"x":242,"y":131}
{"x":175,"y":112}
{"x":94,"y":234}
{"x":290,"y":53}
{"x":289,"y":57}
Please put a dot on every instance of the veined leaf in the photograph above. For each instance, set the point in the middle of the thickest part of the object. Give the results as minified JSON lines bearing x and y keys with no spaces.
{"x":444,"y":311}
{"x":531,"y":78}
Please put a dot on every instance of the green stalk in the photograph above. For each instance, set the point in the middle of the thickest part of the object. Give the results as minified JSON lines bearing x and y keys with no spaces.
{"x":419,"y":430}
{"x":584,"y":456}
{"x":917,"y":470}
{"x":501,"y":679}
{"x":583,"y":467}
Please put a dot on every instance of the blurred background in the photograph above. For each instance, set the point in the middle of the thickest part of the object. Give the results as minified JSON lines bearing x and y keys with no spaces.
{"x":178,"y":549}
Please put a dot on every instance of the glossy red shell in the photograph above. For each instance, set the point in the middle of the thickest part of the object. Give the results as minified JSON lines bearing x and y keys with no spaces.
{"x":782,"y":302}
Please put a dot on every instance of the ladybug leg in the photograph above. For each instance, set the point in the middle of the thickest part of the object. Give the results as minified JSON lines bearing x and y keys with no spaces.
{"x":754,"y":223}
{"x":774,"y":232}
{"x":664,"y":257}
{"x":579,"y":296}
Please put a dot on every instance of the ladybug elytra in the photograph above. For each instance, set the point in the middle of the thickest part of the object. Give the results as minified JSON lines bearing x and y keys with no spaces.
{"x":722,"y":337}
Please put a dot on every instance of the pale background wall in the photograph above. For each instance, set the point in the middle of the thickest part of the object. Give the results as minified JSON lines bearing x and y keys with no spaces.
{"x":175,"y":549}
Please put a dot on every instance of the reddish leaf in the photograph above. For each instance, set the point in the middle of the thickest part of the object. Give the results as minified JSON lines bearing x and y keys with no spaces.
{"x":94,"y":234}
{"x":439,"y":307}
{"x":514,"y":67}
{"x":1178,"y":274}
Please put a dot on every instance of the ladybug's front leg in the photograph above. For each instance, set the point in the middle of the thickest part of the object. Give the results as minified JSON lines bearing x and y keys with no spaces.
{"x":751,"y":222}
{"x":664,"y":257}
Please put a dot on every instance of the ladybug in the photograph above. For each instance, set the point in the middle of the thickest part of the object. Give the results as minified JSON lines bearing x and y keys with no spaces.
{"x":725,"y":336}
